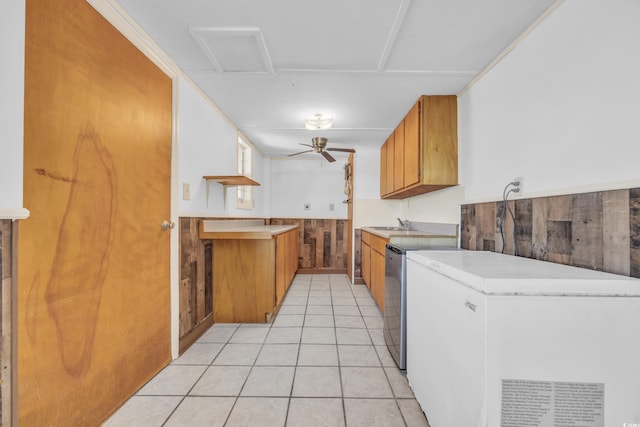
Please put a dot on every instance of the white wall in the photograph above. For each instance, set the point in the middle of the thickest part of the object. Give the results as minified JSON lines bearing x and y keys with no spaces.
{"x":368,"y":208}
{"x":561,"y":110}
{"x":441,"y":206}
{"x":207,"y":146}
{"x":12,"y":27}
{"x":317,"y":182}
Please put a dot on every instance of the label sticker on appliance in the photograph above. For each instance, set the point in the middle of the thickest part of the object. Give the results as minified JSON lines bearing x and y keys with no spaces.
{"x":528,"y":403}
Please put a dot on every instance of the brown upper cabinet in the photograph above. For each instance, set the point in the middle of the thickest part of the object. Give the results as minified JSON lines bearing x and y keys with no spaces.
{"x":383,"y":169}
{"x":398,"y":159}
{"x":423,"y":149}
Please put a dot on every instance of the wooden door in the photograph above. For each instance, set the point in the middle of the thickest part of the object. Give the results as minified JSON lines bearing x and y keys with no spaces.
{"x":412,"y":146}
{"x":398,"y":161}
{"x":377,"y":278}
{"x":366,"y":264}
{"x":391,"y":147}
{"x":93,"y":261}
{"x":383,"y":169}
{"x":440,"y":139}
{"x":281,"y":266}
{"x":292,"y":255}
{"x":349,"y":171}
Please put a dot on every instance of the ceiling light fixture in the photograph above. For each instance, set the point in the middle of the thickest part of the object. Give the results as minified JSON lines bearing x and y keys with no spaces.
{"x":318,"y":122}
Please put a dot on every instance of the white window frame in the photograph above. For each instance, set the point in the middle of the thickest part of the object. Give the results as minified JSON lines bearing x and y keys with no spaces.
{"x":244,"y":194}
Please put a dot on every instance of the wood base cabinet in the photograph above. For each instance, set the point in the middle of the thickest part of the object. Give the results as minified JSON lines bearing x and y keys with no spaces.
{"x":421,"y":155}
{"x":251,"y":276}
{"x":373,"y":265}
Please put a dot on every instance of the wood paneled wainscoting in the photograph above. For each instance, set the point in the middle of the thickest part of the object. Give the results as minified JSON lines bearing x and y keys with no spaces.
{"x":598,"y":230}
{"x":6,"y":320}
{"x":323,"y":244}
{"x":322,"y":249}
{"x":196,"y":283}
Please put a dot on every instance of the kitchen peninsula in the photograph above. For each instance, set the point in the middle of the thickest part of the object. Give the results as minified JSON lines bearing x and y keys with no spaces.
{"x":253,"y":266}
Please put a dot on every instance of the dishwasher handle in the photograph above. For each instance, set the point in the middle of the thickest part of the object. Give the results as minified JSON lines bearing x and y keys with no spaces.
{"x":394,"y":249}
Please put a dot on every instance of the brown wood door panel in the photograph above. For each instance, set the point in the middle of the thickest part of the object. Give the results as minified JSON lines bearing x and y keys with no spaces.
{"x":391,"y":147}
{"x":440,"y":140}
{"x":412,"y":146}
{"x":377,"y":278}
{"x":93,"y":262}
{"x":244,"y":274}
{"x":383,"y":169}
{"x":366,"y":263}
{"x":281,"y":267}
{"x":398,"y":161}
{"x":349,"y":227}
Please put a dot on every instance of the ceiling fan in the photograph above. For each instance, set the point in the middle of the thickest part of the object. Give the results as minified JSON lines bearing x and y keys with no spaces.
{"x":319,"y":145}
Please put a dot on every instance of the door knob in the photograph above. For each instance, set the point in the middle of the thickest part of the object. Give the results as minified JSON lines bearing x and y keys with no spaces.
{"x":166,"y":225}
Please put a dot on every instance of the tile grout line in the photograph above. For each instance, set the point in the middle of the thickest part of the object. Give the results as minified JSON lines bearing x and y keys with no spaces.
{"x":336,"y":289}
{"x":295,"y":368}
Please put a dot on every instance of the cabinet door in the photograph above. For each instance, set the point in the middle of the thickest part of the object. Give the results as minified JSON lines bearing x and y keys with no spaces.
{"x":390,"y":163}
{"x":383,"y":170}
{"x":439,"y":128}
{"x":281,"y":267}
{"x":366,"y":264}
{"x":377,"y":278}
{"x":398,"y":161}
{"x":412,"y":146}
{"x":292,"y":255}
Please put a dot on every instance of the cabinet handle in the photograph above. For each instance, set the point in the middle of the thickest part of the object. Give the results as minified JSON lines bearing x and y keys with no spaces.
{"x":470,"y":306}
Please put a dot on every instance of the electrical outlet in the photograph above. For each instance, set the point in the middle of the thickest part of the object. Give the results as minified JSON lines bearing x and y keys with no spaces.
{"x":331,"y":207}
{"x":518,"y":187}
{"x":307,"y":206}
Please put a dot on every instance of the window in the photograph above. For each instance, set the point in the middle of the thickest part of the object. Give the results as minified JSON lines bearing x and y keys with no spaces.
{"x":245,"y":192}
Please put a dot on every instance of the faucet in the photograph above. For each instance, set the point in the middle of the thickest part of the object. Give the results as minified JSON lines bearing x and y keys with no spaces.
{"x":404,"y":224}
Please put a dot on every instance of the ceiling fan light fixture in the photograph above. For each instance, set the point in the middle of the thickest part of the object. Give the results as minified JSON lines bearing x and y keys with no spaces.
{"x":318,"y":122}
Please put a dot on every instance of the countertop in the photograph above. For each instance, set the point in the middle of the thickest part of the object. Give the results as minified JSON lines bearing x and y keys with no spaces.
{"x":498,"y":274}
{"x":389,"y":233}
{"x":234,"y":231}
{"x":422,"y":235}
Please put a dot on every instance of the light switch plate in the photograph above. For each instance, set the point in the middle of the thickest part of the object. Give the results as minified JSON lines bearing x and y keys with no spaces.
{"x":186,"y":191}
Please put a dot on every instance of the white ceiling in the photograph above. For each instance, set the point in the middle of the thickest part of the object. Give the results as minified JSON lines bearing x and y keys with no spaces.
{"x":268,"y":65}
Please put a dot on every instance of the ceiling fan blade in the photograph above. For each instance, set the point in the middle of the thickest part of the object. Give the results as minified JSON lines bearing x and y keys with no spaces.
{"x":302,"y":152}
{"x":345,"y":150}
{"x":306,"y":145}
{"x":327,"y":156}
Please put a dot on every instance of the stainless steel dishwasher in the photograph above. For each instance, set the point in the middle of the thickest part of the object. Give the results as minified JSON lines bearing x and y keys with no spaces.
{"x":395,"y":299}
{"x":395,"y":304}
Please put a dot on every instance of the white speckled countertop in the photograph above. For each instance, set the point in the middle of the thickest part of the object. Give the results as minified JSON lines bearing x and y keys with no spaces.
{"x":499,"y":274}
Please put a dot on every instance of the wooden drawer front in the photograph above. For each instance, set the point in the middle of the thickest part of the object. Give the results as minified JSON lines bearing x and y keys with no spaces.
{"x":378,"y":244}
{"x":366,"y":238}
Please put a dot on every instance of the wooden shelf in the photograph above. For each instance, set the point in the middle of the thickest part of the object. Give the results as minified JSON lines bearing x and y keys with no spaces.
{"x":228,"y":181}
{"x":231,"y":180}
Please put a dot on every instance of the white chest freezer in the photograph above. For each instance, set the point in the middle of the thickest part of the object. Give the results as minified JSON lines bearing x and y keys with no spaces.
{"x":497,"y":340}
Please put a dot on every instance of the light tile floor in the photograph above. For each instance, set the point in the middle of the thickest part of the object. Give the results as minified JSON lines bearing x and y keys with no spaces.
{"x":322,"y":362}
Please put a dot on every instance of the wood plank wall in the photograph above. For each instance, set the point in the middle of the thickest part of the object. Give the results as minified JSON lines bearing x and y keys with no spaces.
{"x":196,"y":298}
{"x":598,"y":230}
{"x":5,"y":321}
{"x":322,"y":246}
